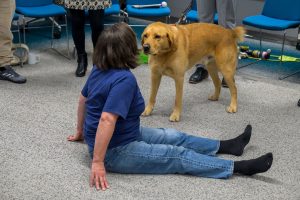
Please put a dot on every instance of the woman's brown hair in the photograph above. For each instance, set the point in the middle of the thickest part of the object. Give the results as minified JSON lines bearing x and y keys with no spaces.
{"x":116,"y":48}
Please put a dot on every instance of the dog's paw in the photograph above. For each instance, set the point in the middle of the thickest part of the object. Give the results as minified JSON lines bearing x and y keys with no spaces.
{"x":147,"y":111}
{"x":231,"y":109}
{"x":213,"y":98}
{"x":175,"y":117}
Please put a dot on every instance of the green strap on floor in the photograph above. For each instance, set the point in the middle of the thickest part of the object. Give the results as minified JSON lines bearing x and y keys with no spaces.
{"x":143,"y":59}
{"x":273,"y":58}
{"x":288,"y":58}
{"x":277,"y":58}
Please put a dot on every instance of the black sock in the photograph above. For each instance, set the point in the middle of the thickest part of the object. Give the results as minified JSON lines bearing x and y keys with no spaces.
{"x":254,"y":166}
{"x":236,"y":145}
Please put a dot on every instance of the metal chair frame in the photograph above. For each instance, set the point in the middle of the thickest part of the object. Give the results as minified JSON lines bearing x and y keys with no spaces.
{"x":19,"y":37}
{"x":54,"y":23}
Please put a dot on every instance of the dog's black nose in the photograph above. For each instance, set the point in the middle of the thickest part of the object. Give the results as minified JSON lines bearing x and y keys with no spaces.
{"x":146,"y":48}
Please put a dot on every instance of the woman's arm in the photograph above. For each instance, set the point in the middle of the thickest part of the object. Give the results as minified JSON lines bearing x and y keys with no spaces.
{"x":105,"y":131}
{"x":80,"y":120}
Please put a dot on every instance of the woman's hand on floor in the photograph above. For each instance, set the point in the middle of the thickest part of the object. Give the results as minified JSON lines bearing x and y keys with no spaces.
{"x":78,"y":136}
{"x":98,"y":176}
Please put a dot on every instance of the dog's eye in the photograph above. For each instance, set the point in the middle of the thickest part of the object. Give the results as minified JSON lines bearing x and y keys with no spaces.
{"x":157,"y":36}
{"x":145,"y":36}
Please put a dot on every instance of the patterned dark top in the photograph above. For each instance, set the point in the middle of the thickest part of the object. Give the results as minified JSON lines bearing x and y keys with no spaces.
{"x":85,"y":4}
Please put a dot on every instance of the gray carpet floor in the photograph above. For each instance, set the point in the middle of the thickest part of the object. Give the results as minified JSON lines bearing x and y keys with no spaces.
{"x":37,"y":162}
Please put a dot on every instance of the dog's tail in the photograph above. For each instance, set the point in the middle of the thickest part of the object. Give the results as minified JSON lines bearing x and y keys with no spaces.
{"x":238,"y":33}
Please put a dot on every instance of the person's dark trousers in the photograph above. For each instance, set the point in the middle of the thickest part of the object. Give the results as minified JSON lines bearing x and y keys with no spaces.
{"x":96,"y":18}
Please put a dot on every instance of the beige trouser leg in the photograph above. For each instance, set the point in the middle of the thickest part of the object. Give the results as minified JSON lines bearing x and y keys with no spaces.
{"x":7,"y":9}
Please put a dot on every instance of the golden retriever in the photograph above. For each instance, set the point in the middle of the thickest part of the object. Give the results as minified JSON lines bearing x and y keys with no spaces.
{"x":173,"y":49}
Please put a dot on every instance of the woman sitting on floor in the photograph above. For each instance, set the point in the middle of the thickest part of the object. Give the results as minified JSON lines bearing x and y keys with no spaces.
{"x":109,"y":112}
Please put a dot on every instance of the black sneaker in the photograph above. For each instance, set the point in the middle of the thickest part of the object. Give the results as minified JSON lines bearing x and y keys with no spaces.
{"x":299,"y":103}
{"x":198,"y":75}
{"x":9,"y":74}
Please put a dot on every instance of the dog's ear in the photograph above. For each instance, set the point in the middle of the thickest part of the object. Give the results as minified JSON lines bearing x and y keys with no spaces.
{"x":172,"y":39}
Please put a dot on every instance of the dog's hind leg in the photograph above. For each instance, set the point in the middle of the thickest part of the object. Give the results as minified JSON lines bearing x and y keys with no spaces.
{"x":155,"y":82}
{"x":226,"y":59}
{"x":213,"y":72}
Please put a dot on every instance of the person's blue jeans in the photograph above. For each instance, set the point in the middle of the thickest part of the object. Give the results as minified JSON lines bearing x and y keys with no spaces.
{"x":168,"y":151}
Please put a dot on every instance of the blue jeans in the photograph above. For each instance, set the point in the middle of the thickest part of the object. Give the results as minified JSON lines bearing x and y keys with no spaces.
{"x":168,"y":151}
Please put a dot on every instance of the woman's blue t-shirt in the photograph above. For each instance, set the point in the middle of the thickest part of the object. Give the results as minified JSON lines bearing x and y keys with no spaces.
{"x":115,"y":91}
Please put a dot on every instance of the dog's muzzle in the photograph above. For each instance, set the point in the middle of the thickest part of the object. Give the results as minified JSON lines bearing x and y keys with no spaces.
{"x":146,"y":48}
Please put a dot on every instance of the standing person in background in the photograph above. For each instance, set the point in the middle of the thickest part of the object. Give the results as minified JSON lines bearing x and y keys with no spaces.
{"x":96,"y":14}
{"x":226,"y":18}
{"x":7,"y":10}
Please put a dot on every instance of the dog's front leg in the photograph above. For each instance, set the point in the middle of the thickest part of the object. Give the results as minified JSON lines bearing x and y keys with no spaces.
{"x":155,"y":82}
{"x":175,"y":116}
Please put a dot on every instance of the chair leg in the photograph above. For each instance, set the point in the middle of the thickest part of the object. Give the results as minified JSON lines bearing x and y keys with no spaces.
{"x":67,"y":32}
{"x":282,"y":47}
{"x":54,"y":23}
{"x":126,"y":18}
{"x":19,"y":35}
{"x":281,"y":63}
{"x":24,"y":34}
{"x":52,"y":33}
{"x":168,"y":19}
{"x":260,"y":45}
{"x":298,"y":40}
{"x":74,"y":52}
{"x":24,"y":24}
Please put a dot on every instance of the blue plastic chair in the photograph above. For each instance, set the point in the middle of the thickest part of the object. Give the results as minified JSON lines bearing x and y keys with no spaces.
{"x":16,"y":18}
{"x":193,"y":16}
{"x":147,"y":12}
{"x":114,"y":9}
{"x":277,"y":15}
{"x":42,"y":9}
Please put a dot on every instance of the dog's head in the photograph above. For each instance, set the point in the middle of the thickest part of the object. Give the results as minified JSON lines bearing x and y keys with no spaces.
{"x":158,"y":38}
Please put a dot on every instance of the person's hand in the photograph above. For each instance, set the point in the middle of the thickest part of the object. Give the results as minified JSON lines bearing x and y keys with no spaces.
{"x":98,"y":176}
{"x":78,"y":136}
